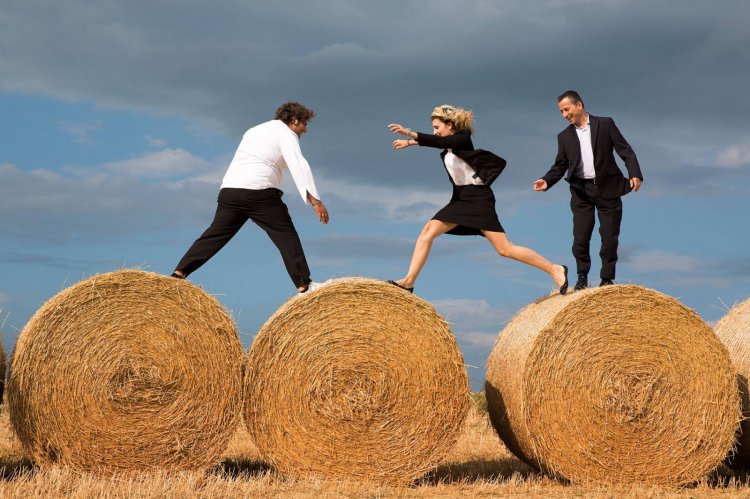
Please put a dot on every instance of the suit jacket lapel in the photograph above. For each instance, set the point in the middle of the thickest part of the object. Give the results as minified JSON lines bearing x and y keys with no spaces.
{"x":575,"y":154}
{"x":594,"y":128}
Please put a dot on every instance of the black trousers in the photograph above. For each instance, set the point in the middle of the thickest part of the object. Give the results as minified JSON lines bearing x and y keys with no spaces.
{"x":585,"y":198}
{"x":268,"y":211}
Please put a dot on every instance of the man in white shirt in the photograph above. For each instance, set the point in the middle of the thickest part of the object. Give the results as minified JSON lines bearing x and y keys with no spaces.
{"x":250,"y":191}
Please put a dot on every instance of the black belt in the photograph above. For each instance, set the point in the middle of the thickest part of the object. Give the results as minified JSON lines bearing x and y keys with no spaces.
{"x":587,"y":180}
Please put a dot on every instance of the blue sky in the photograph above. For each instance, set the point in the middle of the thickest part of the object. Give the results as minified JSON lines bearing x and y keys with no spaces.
{"x":119,"y":120}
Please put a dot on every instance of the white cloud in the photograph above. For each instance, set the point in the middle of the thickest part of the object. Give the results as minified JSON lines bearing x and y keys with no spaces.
{"x":5,"y":298}
{"x":734,"y":156}
{"x":477,"y":339}
{"x":662,"y":261}
{"x":168,"y":163}
{"x":154,"y":142}
{"x":45,"y":205}
{"x":692,"y":282}
{"x":472,"y":314}
{"x":80,"y":130}
{"x":341,"y":51}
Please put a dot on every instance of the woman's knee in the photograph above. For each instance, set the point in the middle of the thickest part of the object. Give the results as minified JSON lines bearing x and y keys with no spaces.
{"x":430,"y":232}
{"x":505,"y":249}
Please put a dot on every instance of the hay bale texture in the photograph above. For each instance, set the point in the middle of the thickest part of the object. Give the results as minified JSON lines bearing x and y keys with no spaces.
{"x":616,"y":384}
{"x":734,"y":331}
{"x":359,"y":380}
{"x":2,"y":366}
{"x":127,"y":371}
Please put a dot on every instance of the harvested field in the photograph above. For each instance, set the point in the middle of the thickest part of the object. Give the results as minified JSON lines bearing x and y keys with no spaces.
{"x":614,"y":384}
{"x":127,"y":371}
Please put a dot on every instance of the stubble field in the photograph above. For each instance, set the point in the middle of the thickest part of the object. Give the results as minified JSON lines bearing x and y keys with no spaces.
{"x":479,"y":466}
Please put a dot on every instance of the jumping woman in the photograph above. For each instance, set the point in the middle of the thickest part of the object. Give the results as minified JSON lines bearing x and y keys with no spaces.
{"x":471,"y":210}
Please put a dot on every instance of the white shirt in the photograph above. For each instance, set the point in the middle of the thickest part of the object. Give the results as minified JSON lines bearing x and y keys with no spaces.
{"x":264,"y":152}
{"x":460,"y":171}
{"x":586,"y":170}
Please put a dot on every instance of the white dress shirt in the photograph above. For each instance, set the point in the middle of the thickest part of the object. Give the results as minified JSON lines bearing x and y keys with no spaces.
{"x":586,"y":169}
{"x":264,"y":152}
{"x":460,"y":171}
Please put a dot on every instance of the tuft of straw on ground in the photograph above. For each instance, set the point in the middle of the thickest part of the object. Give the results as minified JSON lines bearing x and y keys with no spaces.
{"x":128,"y":370}
{"x":357,"y":380}
{"x":734,"y":331}
{"x":616,"y":384}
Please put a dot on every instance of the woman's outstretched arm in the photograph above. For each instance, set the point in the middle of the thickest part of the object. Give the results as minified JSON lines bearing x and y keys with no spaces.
{"x":458,"y":140}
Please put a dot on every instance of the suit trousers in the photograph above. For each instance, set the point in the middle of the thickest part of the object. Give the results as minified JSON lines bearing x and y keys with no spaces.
{"x":268,"y":211}
{"x":585,"y":198}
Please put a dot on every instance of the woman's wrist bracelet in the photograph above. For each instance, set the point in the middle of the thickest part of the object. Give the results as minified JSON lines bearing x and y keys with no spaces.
{"x":316,"y":203}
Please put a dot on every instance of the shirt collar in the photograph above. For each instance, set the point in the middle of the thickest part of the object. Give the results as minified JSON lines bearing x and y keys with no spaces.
{"x":588,"y":123}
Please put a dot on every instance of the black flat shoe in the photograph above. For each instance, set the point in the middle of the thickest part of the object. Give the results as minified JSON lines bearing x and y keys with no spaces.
{"x":606,"y":282}
{"x":176,"y":276}
{"x":564,"y":287}
{"x":583,"y":282}
{"x":410,"y":290}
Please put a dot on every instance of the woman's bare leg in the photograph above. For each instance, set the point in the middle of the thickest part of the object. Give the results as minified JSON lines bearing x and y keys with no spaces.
{"x":433,"y":229}
{"x":524,"y":255}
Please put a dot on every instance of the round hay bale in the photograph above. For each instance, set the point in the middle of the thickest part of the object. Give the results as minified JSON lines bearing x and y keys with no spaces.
{"x":616,"y":384}
{"x":358,"y":379}
{"x":127,"y":371}
{"x":2,"y":372}
{"x":734,"y":331}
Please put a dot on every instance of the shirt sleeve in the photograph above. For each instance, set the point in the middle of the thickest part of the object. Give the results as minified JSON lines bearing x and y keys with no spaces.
{"x":298,"y":165}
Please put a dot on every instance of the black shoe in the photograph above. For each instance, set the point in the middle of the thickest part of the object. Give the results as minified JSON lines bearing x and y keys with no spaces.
{"x":176,"y":276}
{"x":583,"y":282}
{"x":410,"y":290}
{"x":564,"y":287}
{"x":606,"y":282}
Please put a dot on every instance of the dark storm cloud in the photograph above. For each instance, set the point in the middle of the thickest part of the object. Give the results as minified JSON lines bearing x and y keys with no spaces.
{"x":672,"y":73}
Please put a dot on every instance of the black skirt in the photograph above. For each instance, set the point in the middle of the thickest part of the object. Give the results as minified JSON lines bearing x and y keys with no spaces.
{"x":472,"y":207}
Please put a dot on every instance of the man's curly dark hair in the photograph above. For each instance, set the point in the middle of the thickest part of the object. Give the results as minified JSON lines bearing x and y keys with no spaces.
{"x":291,"y":110}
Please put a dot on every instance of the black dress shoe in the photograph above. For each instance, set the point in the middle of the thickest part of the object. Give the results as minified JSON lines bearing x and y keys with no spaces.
{"x":606,"y":282}
{"x":564,"y":287}
{"x":410,"y":290}
{"x":583,"y":282}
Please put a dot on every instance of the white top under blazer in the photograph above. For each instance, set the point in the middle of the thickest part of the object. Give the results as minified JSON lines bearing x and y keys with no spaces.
{"x":265,"y":150}
{"x":460,"y":171}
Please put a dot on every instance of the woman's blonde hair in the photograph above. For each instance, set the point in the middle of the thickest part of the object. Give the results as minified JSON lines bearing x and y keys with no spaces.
{"x":461,"y":118}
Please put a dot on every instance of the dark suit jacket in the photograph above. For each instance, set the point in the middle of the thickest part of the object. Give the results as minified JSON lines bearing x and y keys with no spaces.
{"x":604,"y":137}
{"x":486,"y":165}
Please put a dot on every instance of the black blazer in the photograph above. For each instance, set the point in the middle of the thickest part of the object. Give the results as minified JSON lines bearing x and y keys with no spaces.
{"x":486,"y":165}
{"x":604,"y":136}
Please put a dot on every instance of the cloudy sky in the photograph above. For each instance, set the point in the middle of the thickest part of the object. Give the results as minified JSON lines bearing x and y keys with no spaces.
{"x":120,"y":118}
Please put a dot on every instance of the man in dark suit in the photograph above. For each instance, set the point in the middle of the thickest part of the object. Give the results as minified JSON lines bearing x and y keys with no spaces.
{"x":584,"y":152}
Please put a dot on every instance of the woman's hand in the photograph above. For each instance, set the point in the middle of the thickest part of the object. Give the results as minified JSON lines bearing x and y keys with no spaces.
{"x":401,"y":144}
{"x":403,"y":131}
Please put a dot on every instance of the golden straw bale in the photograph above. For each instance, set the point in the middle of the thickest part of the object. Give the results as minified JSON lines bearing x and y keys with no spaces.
{"x":734,"y":331}
{"x":615,"y":384}
{"x":3,"y":361}
{"x":358,"y":379}
{"x":127,"y":371}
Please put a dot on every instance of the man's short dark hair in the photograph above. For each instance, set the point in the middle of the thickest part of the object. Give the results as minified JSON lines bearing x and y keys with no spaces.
{"x":572,"y":95}
{"x":286,"y":112}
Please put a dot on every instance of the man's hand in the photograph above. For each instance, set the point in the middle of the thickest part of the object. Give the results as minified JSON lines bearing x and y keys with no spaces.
{"x":322,"y":212}
{"x":635,"y":183}
{"x":540,"y":185}
{"x":400,"y":144}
